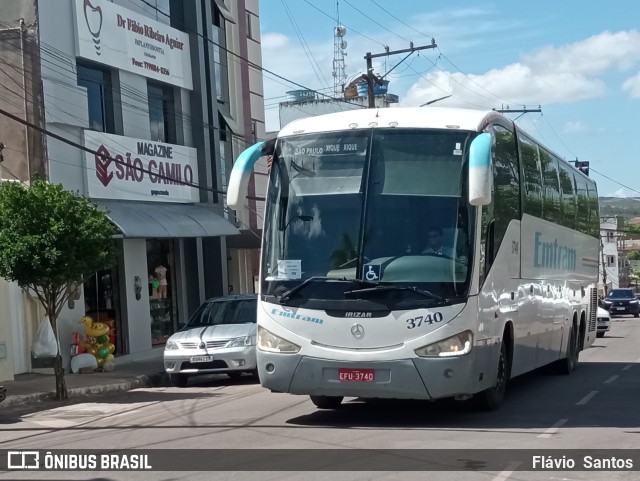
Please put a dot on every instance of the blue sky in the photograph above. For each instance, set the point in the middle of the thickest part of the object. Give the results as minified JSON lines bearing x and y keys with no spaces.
{"x":578,"y":60}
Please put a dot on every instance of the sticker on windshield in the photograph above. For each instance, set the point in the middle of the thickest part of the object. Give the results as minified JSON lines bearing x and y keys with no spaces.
{"x":371,"y":272}
{"x":289,"y":269}
{"x":458,"y":149}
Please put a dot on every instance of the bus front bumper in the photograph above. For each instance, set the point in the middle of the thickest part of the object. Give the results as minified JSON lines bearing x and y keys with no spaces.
{"x":418,"y":378}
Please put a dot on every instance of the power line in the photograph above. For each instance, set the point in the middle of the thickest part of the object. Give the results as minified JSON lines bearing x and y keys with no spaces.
{"x":374,"y":21}
{"x":104,"y":156}
{"x":305,"y":47}
{"x":125,"y":91}
{"x":249,"y":62}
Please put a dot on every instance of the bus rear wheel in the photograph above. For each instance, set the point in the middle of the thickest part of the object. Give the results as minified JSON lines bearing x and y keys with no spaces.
{"x":568,"y":364}
{"x":492,"y":398}
{"x":327,"y":402}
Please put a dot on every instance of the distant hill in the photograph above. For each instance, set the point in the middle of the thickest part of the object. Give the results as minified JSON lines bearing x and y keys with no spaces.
{"x":627,"y":207}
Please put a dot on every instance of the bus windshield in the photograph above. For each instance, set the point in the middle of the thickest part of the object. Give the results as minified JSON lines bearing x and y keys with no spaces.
{"x":380,"y":207}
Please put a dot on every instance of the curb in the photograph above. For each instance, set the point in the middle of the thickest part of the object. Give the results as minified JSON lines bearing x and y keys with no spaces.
{"x":144,"y":380}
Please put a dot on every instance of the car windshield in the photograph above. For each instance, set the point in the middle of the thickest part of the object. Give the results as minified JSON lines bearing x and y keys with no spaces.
{"x":224,"y":312}
{"x":621,"y":294}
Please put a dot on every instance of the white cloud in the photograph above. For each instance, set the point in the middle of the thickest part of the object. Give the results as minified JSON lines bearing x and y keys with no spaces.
{"x":632,"y":86}
{"x":622,"y":192}
{"x":553,"y":74}
{"x":580,"y":128}
{"x":513,"y":83}
{"x":574,"y":128}
{"x":594,"y":55}
{"x":275,"y":40}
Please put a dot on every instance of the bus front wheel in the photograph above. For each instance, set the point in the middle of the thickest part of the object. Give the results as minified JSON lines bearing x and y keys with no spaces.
{"x":326,"y":402}
{"x":491,"y":398}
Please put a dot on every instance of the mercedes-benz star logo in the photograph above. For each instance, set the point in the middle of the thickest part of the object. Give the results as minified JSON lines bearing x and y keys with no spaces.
{"x":358,"y":331}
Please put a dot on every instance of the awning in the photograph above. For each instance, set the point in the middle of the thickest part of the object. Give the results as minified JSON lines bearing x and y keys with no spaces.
{"x":157,"y":219}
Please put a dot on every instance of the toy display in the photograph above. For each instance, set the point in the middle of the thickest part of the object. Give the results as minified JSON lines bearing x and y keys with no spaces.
{"x":98,"y":340}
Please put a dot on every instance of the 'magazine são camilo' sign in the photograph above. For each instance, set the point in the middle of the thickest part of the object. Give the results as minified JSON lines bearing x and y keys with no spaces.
{"x":127,"y":40}
{"x":135,"y":169}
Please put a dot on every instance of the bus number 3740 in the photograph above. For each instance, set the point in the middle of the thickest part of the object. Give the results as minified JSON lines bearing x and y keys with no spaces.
{"x":417,"y":321}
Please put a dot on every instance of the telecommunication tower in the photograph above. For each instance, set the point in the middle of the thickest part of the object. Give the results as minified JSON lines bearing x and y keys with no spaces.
{"x":339,"y":52}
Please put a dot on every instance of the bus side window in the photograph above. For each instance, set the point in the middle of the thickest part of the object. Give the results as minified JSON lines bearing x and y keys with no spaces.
{"x":505,"y":204}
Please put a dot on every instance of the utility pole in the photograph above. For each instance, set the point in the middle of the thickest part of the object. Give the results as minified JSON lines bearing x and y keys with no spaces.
{"x":522,"y":111}
{"x":604,"y":267}
{"x":2,"y":146}
{"x":372,"y":80}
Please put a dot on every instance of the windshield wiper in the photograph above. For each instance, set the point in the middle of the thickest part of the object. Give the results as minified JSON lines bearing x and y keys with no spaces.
{"x":378,"y":289}
{"x":287,"y":295}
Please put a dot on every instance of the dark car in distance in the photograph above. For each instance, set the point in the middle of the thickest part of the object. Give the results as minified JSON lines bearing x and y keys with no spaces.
{"x":621,"y":301}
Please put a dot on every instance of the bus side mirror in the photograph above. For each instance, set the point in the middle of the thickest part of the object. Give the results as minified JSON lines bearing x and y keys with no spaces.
{"x":480,"y":174}
{"x":240,"y":174}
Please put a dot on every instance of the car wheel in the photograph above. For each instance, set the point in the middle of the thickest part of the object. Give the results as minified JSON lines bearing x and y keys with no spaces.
{"x":327,"y":402}
{"x":179,"y":380}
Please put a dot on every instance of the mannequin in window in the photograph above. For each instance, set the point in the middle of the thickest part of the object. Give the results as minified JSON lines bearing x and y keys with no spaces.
{"x":161,"y":275}
{"x":153,"y":287}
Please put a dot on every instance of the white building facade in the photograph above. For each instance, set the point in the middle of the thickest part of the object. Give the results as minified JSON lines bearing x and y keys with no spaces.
{"x":162,"y":98}
{"x":610,"y":233}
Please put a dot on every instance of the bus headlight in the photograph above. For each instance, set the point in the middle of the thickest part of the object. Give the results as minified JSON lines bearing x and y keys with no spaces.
{"x":267,"y":341}
{"x":457,"y":345}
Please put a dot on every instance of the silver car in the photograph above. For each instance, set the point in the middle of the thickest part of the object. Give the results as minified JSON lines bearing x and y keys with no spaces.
{"x":604,"y":322}
{"x":220,"y":337}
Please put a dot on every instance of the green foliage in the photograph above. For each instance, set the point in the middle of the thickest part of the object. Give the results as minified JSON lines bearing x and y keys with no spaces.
{"x":346,"y":253}
{"x":633,"y":255}
{"x":631,"y":229}
{"x":50,"y":237}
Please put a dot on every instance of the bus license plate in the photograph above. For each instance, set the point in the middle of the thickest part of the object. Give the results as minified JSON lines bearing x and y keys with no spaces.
{"x":357,"y":375}
{"x":201,"y":358}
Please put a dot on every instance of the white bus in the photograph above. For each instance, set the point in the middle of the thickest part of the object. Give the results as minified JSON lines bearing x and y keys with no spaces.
{"x":419,"y":253}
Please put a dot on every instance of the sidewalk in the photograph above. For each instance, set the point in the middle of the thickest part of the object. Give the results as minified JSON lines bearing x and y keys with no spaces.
{"x":30,"y":388}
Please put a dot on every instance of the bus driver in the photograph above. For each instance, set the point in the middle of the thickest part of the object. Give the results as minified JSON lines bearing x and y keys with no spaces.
{"x":435,"y":246}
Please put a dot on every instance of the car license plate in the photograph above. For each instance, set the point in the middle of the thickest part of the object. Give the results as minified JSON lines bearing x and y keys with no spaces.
{"x":619,"y":308}
{"x":201,"y":358}
{"x":357,"y":375}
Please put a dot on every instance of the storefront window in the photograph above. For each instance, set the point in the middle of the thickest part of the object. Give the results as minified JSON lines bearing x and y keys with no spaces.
{"x":102,"y":303}
{"x":161,"y":277}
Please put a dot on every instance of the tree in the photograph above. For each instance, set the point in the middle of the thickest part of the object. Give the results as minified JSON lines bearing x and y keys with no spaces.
{"x":50,"y":240}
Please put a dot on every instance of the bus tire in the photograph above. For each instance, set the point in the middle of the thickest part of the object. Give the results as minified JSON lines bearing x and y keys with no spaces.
{"x":569,"y":363}
{"x":327,"y":402}
{"x":492,"y":398}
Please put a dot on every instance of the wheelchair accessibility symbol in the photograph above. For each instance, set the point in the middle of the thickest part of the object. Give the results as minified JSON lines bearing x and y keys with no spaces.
{"x":371,"y":272}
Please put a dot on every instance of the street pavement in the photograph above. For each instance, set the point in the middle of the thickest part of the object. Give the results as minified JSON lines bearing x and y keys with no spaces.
{"x":32,"y":387}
